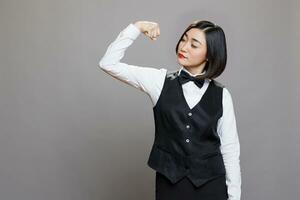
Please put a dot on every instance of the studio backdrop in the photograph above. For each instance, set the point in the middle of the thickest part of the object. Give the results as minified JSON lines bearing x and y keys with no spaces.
{"x":68,"y":131}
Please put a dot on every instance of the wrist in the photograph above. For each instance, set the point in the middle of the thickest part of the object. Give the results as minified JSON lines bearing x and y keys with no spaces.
{"x":138,"y":25}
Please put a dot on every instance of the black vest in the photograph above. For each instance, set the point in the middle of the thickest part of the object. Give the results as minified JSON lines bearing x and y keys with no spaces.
{"x":186,"y":141}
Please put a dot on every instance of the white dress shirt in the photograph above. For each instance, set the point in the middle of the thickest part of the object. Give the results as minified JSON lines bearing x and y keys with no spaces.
{"x":150,"y":80}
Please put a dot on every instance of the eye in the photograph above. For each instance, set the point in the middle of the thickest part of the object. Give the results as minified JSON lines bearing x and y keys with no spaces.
{"x":191,"y":45}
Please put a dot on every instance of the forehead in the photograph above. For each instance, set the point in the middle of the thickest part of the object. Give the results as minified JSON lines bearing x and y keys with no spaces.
{"x":196,"y":34}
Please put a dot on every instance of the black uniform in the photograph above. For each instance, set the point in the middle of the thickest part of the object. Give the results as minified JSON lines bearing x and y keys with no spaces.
{"x":186,"y":154}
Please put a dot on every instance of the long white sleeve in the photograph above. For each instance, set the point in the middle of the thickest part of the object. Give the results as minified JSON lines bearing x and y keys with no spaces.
{"x":147,"y":79}
{"x":230,"y":147}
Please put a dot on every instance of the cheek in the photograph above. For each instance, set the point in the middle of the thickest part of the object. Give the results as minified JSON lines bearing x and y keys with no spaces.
{"x":199,"y":54}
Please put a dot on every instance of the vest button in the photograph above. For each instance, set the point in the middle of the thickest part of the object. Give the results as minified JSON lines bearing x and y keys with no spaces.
{"x":187,"y":140}
{"x":190,"y":114}
{"x":187,"y":126}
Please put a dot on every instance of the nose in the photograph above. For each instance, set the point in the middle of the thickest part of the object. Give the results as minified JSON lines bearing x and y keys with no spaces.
{"x":183,"y":48}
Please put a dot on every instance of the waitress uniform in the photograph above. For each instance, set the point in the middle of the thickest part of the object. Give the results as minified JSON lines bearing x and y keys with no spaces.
{"x":196,"y":148}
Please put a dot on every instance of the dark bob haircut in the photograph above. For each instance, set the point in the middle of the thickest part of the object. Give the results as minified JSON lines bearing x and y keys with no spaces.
{"x":216,"y":48}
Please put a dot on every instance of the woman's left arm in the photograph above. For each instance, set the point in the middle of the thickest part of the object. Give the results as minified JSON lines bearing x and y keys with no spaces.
{"x":230,"y":147}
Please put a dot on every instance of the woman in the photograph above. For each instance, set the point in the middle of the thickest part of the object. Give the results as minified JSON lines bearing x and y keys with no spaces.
{"x":196,"y":147}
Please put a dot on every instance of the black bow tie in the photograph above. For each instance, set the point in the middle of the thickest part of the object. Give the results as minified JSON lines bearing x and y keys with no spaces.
{"x":185,"y":77}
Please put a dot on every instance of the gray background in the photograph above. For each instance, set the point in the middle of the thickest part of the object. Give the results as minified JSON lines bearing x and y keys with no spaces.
{"x":71,"y":132}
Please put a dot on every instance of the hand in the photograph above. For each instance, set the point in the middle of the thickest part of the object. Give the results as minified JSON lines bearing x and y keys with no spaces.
{"x":150,"y":29}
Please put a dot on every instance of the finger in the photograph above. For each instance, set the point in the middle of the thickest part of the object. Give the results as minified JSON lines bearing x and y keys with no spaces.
{"x":152,"y":34}
{"x":148,"y":34}
{"x":157,"y":33}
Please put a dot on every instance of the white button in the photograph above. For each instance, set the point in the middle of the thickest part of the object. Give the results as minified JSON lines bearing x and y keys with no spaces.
{"x":190,"y":114}
{"x":187,"y":126}
{"x":187,"y":140}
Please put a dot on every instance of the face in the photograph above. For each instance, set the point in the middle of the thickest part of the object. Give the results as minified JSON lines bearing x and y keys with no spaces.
{"x":193,"y":47}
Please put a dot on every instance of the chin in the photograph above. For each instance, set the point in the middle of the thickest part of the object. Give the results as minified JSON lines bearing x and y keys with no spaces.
{"x":181,"y":62}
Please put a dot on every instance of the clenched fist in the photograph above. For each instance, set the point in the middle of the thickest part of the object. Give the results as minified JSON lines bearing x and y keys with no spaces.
{"x":150,"y":29}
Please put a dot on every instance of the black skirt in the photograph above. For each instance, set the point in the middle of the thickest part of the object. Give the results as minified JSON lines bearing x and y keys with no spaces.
{"x":184,"y":189}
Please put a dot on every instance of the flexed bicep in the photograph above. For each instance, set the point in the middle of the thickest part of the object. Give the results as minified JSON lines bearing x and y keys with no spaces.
{"x":147,"y":79}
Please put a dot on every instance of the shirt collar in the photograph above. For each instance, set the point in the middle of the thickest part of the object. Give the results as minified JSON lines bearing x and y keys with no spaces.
{"x":184,"y":69}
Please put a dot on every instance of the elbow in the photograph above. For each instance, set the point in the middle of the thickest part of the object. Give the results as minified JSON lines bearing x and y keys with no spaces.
{"x":102,"y":65}
{"x":106,"y":64}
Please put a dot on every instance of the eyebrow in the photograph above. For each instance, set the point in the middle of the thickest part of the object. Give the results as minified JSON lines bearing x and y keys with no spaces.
{"x":193,"y":39}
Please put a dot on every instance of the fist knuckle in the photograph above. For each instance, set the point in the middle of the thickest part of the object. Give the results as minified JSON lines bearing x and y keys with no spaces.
{"x":151,"y":29}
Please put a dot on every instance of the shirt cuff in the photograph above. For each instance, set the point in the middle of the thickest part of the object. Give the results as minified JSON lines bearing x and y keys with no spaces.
{"x":132,"y":31}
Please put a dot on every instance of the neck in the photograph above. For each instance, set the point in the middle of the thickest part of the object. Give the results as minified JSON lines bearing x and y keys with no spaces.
{"x":193,"y":72}
{"x":196,"y":70}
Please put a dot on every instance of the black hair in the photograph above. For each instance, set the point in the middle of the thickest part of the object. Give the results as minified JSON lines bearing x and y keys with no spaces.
{"x":216,"y":48}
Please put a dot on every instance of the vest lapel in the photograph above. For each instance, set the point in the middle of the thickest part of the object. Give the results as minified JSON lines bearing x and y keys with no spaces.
{"x":200,"y":102}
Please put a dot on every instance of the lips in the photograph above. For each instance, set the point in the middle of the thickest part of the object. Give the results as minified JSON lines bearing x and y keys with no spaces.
{"x":181,"y":55}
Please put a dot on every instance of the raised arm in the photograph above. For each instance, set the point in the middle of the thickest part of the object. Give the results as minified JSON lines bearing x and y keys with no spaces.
{"x":230,"y":147}
{"x":146,"y":79}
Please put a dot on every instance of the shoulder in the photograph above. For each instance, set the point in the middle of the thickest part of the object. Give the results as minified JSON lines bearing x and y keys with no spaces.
{"x":218,"y":83}
{"x":226,"y":95}
{"x":172,"y":74}
{"x":227,"y":98}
